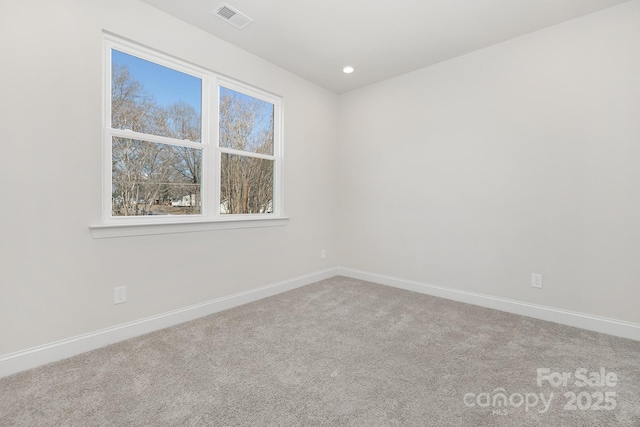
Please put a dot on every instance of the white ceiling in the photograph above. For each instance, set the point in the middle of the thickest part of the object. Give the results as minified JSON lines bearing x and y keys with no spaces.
{"x":380,"y":39}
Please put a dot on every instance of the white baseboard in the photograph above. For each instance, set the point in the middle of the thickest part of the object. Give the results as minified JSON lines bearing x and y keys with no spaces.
{"x":33,"y":357}
{"x":579,"y":320}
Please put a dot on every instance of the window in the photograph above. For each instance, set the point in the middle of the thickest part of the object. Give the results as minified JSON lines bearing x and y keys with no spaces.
{"x":246,"y":137}
{"x":182,"y":144}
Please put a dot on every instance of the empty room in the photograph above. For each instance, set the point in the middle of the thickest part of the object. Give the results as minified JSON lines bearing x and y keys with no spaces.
{"x":320,"y":213}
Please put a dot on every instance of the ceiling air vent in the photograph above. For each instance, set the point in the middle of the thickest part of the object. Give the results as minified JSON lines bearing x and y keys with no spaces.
{"x":232,"y":16}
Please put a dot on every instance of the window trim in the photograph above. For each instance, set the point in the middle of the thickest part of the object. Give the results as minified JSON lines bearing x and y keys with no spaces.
{"x":106,"y":231}
{"x":210,"y":217}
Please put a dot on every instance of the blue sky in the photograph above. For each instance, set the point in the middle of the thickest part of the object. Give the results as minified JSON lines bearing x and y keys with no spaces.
{"x":246,"y":98}
{"x":167,"y":86}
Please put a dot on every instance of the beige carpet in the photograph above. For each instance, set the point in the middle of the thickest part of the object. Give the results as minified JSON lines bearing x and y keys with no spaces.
{"x":340,"y":352}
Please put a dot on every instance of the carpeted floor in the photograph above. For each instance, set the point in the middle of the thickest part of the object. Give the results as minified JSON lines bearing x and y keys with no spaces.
{"x":340,"y":352}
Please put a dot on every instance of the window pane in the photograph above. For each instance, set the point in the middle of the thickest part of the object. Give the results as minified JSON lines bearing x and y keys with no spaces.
{"x":153,"y":99}
{"x":246,"y":185}
{"x":246,"y":123}
{"x":154,"y":179}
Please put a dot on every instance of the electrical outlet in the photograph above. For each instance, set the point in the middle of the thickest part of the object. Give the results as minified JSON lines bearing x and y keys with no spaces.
{"x":323,"y":254}
{"x":536,"y":281}
{"x":120,"y":295}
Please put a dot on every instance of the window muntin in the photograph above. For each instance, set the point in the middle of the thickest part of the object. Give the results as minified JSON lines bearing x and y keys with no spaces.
{"x":168,"y":159}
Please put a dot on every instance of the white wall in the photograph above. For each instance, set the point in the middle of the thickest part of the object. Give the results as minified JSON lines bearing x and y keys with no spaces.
{"x":520,"y":158}
{"x":56,"y":280}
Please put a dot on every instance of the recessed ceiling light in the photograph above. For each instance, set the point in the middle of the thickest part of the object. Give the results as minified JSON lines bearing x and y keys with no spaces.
{"x":347,"y":70}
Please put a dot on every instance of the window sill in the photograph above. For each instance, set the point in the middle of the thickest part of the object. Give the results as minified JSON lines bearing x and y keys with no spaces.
{"x":107,"y":231}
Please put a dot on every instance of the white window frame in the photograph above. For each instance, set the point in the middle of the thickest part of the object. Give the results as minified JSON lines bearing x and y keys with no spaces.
{"x":210,"y":217}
